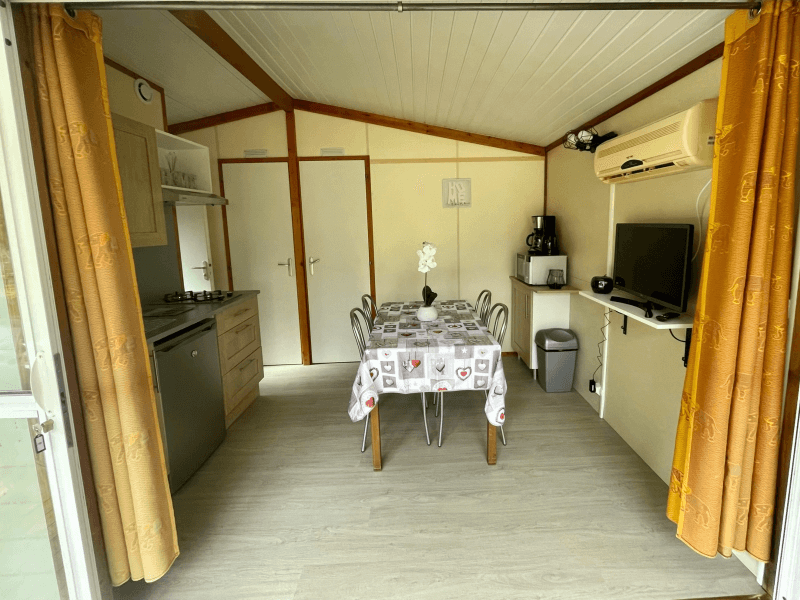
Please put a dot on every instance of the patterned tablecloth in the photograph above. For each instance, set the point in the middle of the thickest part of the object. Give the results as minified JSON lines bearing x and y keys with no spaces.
{"x":404,"y":355}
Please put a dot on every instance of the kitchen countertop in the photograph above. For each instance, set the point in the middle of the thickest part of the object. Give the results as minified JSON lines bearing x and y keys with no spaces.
{"x":158,"y":326}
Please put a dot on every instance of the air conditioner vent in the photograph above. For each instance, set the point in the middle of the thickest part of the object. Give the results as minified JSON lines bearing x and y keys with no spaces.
{"x":642,"y":139}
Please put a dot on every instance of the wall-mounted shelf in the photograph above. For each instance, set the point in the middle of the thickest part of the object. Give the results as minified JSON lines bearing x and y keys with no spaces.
{"x":685,"y":321}
{"x":190,"y":158}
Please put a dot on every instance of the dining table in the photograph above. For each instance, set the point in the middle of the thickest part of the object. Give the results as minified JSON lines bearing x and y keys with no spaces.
{"x":454,"y":352}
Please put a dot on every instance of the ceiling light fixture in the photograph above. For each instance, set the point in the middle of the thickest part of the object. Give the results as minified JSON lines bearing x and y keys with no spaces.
{"x":586,"y":140}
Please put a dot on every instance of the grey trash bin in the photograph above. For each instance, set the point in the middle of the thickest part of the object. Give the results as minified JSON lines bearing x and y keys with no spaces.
{"x":555,"y":351}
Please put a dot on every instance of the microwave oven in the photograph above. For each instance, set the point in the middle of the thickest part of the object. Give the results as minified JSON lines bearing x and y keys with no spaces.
{"x":534,"y":270}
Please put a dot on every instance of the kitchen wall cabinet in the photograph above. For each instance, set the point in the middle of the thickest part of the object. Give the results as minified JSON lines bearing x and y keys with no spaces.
{"x":240,"y":356}
{"x":137,"y":157}
{"x":535,"y":307}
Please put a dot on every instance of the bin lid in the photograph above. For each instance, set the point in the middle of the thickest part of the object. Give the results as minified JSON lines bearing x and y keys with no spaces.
{"x":556,"y":339}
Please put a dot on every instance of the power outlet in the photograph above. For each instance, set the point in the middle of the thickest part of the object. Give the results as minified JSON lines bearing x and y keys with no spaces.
{"x":592,"y":385}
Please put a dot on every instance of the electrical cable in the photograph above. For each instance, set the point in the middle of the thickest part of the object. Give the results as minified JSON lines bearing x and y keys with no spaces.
{"x":600,"y":343}
{"x":677,"y":338}
{"x":700,"y":232}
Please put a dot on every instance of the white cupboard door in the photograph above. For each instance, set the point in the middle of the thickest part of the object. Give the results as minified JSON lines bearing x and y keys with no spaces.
{"x":337,"y":253}
{"x":262,"y":252}
{"x":198,"y":274}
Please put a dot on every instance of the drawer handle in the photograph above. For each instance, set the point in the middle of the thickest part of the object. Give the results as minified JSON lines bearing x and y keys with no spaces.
{"x":242,"y":328}
{"x":241,"y":312}
{"x":249,"y":362}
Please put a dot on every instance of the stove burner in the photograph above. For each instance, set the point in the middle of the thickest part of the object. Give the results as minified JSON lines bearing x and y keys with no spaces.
{"x":191,"y":297}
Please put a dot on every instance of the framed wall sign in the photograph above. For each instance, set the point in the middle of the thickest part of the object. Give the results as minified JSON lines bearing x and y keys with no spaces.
{"x":456,"y":193}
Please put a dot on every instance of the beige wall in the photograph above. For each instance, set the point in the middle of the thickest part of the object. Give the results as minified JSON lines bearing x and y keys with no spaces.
{"x":123,"y":101}
{"x":645,"y":370}
{"x":477,"y":245}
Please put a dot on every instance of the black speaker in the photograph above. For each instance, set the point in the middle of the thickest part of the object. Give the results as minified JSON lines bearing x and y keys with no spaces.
{"x":602,"y":284}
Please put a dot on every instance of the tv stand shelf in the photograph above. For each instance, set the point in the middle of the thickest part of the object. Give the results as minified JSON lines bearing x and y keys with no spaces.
{"x":685,"y":321}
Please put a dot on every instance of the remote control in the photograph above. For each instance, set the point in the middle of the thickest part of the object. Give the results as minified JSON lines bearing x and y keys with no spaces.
{"x":667,"y":316}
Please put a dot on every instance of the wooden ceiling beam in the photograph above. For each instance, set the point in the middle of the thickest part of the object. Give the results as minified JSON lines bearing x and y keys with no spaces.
{"x":207,"y":29}
{"x":222,"y":118}
{"x":693,"y":65}
{"x":417,"y":127}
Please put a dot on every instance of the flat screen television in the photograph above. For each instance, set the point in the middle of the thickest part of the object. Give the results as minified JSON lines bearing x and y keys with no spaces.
{"x":653,"y":261}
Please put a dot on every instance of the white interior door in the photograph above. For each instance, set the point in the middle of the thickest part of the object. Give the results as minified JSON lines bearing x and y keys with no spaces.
{"x":335,"y":230}
{"x":198,"y":272}
{"x":262,"y":252}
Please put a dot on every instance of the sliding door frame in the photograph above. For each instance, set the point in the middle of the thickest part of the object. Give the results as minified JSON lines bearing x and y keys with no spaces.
{"x":298,"y":235}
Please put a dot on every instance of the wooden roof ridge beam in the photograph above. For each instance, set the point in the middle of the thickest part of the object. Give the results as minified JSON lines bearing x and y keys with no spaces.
{"x":222,"y":118}
{"x":208,"y":30}
{"x":417,"y":127}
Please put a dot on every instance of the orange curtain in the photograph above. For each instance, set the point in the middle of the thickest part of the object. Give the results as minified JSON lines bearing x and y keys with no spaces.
{"x":722,"y":488}
{"x":99,"y":280}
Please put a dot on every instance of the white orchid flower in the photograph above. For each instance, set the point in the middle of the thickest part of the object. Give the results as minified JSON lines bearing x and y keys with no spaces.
{"x":426,"y":257}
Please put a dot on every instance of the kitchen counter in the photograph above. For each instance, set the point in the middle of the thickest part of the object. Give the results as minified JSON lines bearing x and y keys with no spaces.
{"x":158,"y":325}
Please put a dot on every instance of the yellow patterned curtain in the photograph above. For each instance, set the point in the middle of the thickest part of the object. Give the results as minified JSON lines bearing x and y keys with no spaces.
{"x":722,"y":488}
{"x":97,"y":269}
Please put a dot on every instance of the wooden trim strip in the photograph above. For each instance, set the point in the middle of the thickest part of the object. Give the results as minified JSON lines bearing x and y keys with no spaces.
{"x":693,"y":65}
{"x":370,"y":237}
{"x":222,"y":118}
{"x":544,"y":206}
{"x":321,"y":158}
{"x":223,"y":161}
{"x":207,"y":29}
{"x":225,"y":234}
{"x":178,"y":244}
{"x":134,"y":75}
{"x":417,"y":127}
{"x":299,"y":240}
{"x":398,"y":161}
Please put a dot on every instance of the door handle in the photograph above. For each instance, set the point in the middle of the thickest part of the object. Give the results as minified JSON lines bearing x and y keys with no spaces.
{"x":288,"y":263}
{"x":311,"y":261}
{"x":205,"y":267}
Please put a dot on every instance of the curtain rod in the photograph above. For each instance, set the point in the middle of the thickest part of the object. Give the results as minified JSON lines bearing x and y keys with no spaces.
{"x":408,"y":7}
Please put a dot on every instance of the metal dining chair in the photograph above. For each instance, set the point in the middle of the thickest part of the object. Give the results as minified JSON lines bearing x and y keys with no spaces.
{"x":357,"y":316}
{"x":498,"y":330}
{"x":482,"y":305}
{"x":370,"y":309}
{"x":499,"y":312}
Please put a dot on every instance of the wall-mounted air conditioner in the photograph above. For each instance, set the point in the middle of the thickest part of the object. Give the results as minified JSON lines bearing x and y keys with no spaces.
{"x":675,"y":144}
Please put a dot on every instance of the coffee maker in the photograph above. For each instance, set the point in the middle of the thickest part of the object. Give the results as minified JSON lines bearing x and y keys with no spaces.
{"x":543,"y":240}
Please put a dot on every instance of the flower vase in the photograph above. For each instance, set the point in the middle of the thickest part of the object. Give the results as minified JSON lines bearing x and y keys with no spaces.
{"x":427,"y":313}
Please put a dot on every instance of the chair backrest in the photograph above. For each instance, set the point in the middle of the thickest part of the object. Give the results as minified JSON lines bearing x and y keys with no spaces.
{"x":370,"y":309}
{"x":499,"y":313}
{"x":482,"y":305}
{"x":358,"y":331}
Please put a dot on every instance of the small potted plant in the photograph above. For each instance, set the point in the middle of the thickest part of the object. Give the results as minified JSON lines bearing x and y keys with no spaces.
{"x":427,"y":261}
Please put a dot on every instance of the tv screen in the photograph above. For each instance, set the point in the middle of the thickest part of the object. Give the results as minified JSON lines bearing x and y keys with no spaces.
{"x":653,"y":261}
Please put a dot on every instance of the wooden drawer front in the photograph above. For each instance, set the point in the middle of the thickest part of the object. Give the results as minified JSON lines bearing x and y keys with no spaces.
{"x":239,"y":403}
{"x":238,"y":343}
{"x":250,"y":370}
{"x":236,"y":315}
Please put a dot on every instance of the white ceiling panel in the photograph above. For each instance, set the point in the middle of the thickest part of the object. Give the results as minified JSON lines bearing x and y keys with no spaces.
{"x":196,"y":80}
{"x":524,"y":76}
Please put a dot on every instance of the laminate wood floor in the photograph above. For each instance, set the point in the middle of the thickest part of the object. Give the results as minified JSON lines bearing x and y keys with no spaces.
{"x":289,"y":508}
